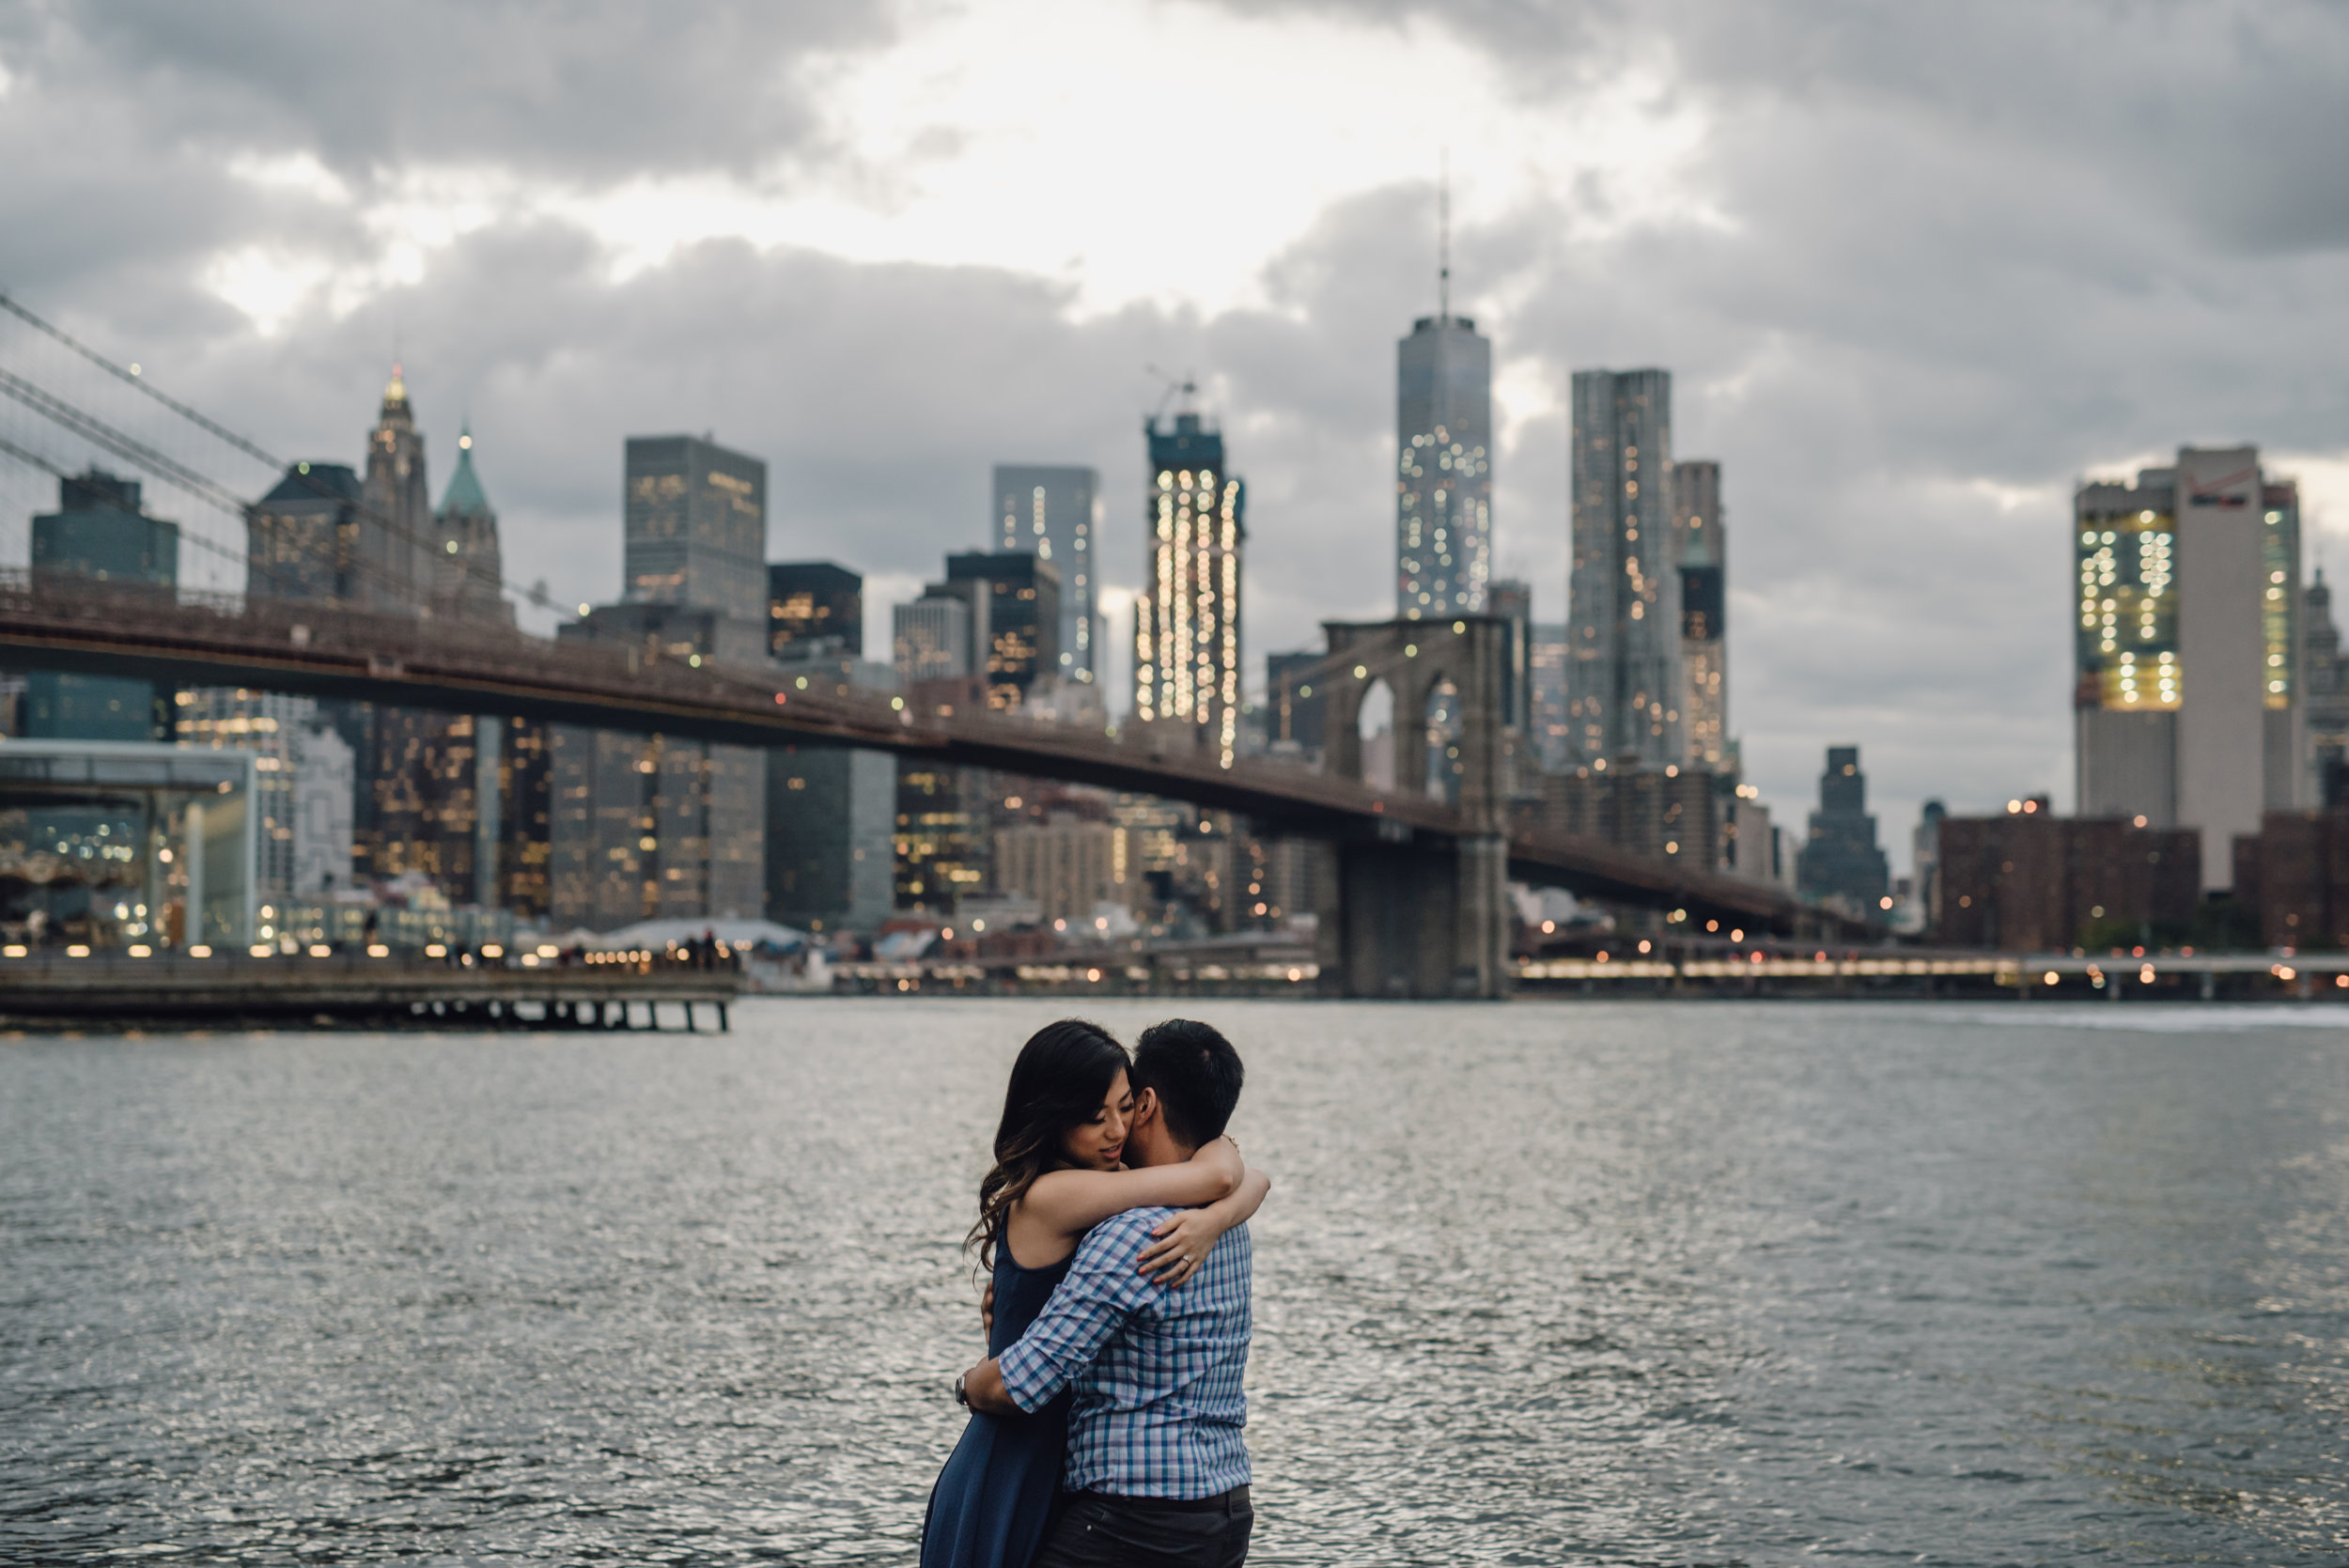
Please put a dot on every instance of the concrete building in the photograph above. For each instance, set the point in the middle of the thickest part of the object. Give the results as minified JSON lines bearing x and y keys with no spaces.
{"x":1840,"y":859}
{"x":1186,"y":621}
{"x":1700,"y":525}
{"x":1624,"y":677}
{"x":324,"y":786}
{"x":99,"y":533}
{"x":815,"y":607}
{"x":695,"y":527}
{"x":1054,"y":513}
{"x":1014,"y":599}
{"x":1063,"y":863}
{"x":1443,"y":526}
{"x":932,"y":638}
{"x":1512,"y":601}
{"x":2189,"y":707}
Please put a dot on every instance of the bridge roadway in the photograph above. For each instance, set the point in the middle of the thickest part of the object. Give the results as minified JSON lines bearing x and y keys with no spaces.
{"x":329,"y":650}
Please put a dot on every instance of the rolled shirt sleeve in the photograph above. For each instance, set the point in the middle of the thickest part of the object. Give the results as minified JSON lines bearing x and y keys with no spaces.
{"x":1102,"y":1290}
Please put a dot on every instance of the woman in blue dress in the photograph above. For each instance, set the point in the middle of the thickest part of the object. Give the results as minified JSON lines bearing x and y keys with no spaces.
{"x":1057,"y":1174}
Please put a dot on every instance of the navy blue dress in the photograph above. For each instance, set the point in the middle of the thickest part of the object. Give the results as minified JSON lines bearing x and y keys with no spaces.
{"x":995,"y":1496}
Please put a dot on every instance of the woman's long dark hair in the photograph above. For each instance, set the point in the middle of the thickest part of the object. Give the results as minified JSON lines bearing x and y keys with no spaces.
{"x":1063,"y":1074}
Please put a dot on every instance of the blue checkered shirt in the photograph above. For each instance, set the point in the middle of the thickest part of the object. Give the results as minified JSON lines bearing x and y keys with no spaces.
{"x":1157,"y":1372}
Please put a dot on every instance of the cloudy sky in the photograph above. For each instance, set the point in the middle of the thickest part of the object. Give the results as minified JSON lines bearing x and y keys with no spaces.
{"x":1915,"y":269}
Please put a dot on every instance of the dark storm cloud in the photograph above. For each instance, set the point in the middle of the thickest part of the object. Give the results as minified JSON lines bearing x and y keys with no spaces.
{"x":1957,"y":256}
{"x":600,"y":87}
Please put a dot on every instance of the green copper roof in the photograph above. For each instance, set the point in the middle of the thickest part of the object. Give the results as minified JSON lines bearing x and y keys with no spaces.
{"x":464,"y":495}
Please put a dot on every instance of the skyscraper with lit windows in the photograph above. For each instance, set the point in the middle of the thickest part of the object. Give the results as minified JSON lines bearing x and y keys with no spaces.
{"x":1625,"y":680}
{"x":1187,"y":633}
{"x":1704,"y":538}
{"x":1444,"y":485}
{"x":1054,"y":515}
{"x":2189,"y":705}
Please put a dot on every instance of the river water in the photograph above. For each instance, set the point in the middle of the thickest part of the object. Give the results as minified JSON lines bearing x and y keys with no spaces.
{"x":1539,"y":1284}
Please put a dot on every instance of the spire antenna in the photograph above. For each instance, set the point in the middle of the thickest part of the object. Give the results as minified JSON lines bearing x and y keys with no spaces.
{"x":1443,"y":239}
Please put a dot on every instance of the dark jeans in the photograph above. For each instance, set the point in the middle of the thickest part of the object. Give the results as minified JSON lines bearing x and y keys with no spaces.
{"x":1098,"y":1531}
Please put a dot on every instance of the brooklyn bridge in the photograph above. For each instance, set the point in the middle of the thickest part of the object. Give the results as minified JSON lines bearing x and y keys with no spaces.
{"x":1418,"y":905}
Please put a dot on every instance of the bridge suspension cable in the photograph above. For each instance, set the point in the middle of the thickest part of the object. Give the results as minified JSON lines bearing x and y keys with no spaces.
{"x":145,"y":456}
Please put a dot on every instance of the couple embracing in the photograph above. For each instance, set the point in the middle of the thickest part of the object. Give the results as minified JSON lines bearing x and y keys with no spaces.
{"x":1106,"y":1419}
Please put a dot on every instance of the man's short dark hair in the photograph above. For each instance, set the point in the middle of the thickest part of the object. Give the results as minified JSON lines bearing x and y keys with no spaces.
{"x":1197,"y":1075}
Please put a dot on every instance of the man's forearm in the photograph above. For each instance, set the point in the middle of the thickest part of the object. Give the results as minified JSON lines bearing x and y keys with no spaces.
{"x":983,"y":1386}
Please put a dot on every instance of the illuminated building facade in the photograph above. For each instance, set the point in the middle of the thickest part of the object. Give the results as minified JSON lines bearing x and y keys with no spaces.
{"x":1014,"y":598}
{"x":302,"y":540}
{"x":1624,"y":675}
{"x":811,"y":604}
{"x":1055,"y":514}
{"x":696,"y":526}
{"x":1186,"y":623}
{"x":2189,"y":707}
{"x":1444,"y":468}
{"x":1703,"y":610}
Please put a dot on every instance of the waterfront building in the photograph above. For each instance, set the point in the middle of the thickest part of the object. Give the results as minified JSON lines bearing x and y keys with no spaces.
{"x":1750,"y":846}
{"x":99,"y":532}
{"x":1550,"y":731}
{"x":297,"y":853}
{"x":1699,"y":524}
{"x":395,"y":569}
{"x":1443,"y":468}
{"x":2028,"y":881}
{"x":830,"y":814}
{"x":1624,"y":677}
{"x":1187,"y":622}
{"x":943,"y":849}
{"x":1840,"y":859}
{"x":469,"y":566}
{"x":1063,"y":864}
{"x":812,"y":606}
{"x":1054,"y":513}
{"x":1925,"y":851}
{"x":695,"y":527}
{"x":1013,"y":599}
{"x":2291,"y":880}
{"x":652,"y":828}
{"x":2190,"y":705}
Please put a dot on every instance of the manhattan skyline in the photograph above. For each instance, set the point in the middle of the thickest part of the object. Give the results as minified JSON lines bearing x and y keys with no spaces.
{"x":828,"y":242}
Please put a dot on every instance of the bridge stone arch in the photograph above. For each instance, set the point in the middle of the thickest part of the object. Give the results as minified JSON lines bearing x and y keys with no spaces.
{"x":1414,"y":916}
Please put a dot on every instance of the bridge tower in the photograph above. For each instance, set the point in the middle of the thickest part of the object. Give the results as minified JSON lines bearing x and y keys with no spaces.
{"x":1416,"y":916}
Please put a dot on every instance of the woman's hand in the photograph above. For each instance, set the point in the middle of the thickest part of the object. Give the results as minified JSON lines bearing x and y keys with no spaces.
{"x":1184,"y":1241}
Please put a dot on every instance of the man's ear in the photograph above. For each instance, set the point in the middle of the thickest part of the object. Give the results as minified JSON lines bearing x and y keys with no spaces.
{"x":1145,"y":1107}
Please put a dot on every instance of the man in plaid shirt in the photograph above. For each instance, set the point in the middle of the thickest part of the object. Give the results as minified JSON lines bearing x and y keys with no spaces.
{"x":1156,"y":1471}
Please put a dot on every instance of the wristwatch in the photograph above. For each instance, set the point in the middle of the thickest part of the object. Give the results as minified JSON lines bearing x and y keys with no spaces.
{"x":962,"y":1394}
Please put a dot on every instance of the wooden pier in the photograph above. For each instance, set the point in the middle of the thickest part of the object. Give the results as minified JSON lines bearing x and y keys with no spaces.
{"x":355,"y":991}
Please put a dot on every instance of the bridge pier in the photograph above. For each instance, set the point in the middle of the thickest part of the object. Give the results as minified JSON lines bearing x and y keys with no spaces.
{"x":1418,"y":921}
